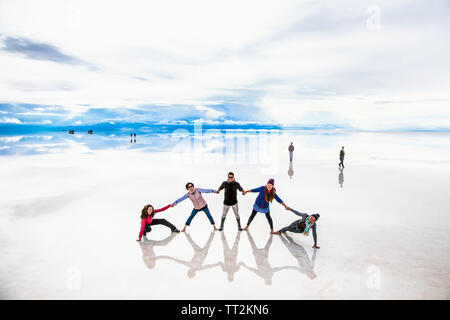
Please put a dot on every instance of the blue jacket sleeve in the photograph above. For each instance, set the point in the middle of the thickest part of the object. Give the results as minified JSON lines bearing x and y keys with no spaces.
{"x":180,"y":199}
{"x":278,"y":198}
{"x":259,"y":189}
{"x":206,"y":190}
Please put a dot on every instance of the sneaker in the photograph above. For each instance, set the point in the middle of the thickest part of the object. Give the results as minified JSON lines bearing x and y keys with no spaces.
{"x":239,"y":229}
{"x":220,"y":229}
{"x":176,"y":230}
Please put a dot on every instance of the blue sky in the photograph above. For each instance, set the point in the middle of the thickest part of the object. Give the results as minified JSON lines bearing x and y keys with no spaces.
{"x":366,"y":65}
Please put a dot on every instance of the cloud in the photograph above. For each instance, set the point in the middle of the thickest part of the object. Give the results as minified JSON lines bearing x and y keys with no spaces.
{"x":10,"y":120}
{"x":210,"y":112}
{"x":40,"y":51}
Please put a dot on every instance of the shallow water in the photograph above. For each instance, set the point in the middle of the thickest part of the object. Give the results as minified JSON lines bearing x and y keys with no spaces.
{"x":70,"y":205}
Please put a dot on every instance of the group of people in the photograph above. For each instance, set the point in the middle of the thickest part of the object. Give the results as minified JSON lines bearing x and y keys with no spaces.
{"x":266,"y":195}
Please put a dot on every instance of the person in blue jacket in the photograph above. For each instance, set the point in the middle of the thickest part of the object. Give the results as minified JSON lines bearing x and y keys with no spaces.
{"x":266,"y":194}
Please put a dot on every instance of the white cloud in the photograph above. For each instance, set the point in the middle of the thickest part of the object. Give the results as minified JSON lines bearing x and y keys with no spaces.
{"x":210,"y":112}
{"x":10,"y":120}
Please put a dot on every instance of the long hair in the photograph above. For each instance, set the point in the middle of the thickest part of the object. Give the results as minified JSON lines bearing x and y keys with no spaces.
{"x":266,"y":194}
{"x":144,"y":212}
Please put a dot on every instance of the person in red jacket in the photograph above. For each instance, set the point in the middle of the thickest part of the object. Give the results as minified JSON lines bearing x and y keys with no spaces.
{"x":147,"y":214}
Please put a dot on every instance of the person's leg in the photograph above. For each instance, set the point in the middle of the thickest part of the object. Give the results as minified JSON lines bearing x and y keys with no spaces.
{"x":208,"y":214}
{"x":164,"y":222}
{"x":224,"y":215}
{"x":291,"y":155}
{"x":269,"y":219}
{"x":188,"y":221}
{"x":250,"y":219}
{"x":236,"y":214}
{"x":147,"y":228}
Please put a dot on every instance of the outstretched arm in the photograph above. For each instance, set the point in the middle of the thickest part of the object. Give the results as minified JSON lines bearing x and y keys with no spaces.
{"x":180,"y":200}
{"x":162,"y":209}
{"x":207,"y":190}
{"x":141,"y":232}
{"x":254,"y":190}
{"x":300,"y":214}
{"x":281,"y":201}
{"x":315,"y":236}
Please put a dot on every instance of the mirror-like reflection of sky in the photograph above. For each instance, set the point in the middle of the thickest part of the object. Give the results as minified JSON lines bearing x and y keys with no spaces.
{"x":69,"y":216}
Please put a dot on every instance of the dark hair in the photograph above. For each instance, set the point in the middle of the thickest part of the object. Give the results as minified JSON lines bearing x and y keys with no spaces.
{"x":189,"y":184}
{"x":266,"y":194}
{"x":231,"y":173}
{"x":144,"y":212}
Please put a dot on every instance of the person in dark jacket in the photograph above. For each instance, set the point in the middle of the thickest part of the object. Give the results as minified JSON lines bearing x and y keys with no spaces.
{"x":303,"y":225}
{"x":341,"y":158}
{"x":230,"y":200}
{"x":291,"y":151}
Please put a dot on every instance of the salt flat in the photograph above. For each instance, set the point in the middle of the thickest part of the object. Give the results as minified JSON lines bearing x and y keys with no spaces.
{"x":70,"y":206}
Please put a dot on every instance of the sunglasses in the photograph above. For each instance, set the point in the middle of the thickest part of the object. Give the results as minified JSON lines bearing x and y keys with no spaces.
{"x":191,"y":186}
{"x":230,"y":177}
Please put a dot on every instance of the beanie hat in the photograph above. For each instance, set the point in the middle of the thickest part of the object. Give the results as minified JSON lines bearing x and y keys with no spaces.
{"x":271,"y":181}
{"x":316,"y":215}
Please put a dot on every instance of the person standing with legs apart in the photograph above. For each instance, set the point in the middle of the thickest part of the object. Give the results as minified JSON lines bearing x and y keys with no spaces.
{"x":147,"y":214}
{"x":195,"y":195}
{"x":341,"y":158}
{"x":230,"y":200}
{"x":266,"y":195}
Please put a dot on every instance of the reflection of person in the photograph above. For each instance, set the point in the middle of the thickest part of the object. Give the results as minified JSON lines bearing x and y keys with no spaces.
{"x":195,"y":195}
{"x":263,"y":267}
{"x":147,"y":214}
{"x":291,"y":151}
{"x":266,"y":194}
{"x":341,"y":157}
{"x":200,"y":254}
{"x":303,"y":225}
{"x":299,"y":253}
{"x":341,"y":177}
{"x":291,"y":170}
{"x":230,"y":201}
{"x":148,"y":253}
{"x":230,"y":265}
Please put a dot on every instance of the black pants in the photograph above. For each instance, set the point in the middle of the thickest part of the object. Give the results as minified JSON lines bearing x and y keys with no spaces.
{"x":269,"y":218}
{"x":159,"y":221}
{"x":341,"y":163}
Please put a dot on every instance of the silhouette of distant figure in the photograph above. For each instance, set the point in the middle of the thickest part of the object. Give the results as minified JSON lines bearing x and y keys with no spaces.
{"x":291,"y":170}
{"x":341,"y":177}
{"x":134,"y":135}
{"x":291,"y":151}
{"x":341,"y":158}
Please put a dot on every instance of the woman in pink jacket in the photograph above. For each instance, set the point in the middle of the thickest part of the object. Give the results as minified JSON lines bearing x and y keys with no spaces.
{"x":147,"y":214}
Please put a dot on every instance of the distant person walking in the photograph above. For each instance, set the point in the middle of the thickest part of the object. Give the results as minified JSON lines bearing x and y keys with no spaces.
{"x":291,"y":151}
{"x":341,"y":157}
{"x":230,"y":200}
{"x":266,"y":194}
{"x":195,"y":195}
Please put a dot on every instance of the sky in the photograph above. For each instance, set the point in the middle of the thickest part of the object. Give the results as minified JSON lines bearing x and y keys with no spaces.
{"x":371,"y":65}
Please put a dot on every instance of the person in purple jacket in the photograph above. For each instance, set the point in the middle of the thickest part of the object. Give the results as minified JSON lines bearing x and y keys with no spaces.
{"x":195,"y":195}
{"x":266,"y":195}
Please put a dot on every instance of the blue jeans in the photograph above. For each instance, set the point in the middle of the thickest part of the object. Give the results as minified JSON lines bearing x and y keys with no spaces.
{"x":194,"y":212}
